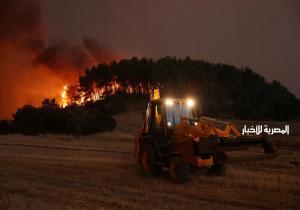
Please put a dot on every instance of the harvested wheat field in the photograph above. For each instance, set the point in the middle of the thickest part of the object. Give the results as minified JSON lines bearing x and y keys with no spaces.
{"x":99,"y":172}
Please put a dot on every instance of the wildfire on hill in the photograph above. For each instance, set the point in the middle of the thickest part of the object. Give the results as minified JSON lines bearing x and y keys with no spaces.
{"x":72,"y":95}
{"x":31,"y":68}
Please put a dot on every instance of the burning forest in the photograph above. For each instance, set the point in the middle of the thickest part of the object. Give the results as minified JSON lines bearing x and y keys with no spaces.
{"x":33,"y":68}
{"x":223,"y":90}
{"x":103,"y":90}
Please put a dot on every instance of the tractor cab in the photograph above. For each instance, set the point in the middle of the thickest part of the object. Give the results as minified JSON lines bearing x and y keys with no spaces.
{"x":163,"y":115}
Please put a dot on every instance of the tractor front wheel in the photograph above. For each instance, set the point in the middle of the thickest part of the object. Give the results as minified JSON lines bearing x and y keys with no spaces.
{"x":149,"y":161}
{"x":179,"y":169}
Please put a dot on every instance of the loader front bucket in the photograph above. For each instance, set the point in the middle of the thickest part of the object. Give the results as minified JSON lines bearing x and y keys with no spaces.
{"x":242,"y":143}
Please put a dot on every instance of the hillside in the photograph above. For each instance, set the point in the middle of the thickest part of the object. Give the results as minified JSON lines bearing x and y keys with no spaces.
{"x":222,"y":91}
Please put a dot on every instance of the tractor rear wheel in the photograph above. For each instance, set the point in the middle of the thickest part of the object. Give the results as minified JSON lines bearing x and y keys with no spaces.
{"x":179,"y":169}
{"x":149,"y":160}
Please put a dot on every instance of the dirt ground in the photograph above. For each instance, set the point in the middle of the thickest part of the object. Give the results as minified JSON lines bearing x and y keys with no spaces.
{"x":99,"y":172}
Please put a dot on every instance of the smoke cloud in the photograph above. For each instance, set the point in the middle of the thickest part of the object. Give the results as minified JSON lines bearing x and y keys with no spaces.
{"x":30,"y":68}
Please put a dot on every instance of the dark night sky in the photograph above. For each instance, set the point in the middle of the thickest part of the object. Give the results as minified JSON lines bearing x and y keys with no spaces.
{"x":263,"y":35}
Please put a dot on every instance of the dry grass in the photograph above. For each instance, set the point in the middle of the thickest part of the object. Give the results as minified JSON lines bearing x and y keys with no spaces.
{"x":99,"y":172}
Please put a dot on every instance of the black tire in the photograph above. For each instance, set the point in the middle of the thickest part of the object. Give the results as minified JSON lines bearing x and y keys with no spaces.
{"x":149,"y":161}
{"x":179,"y":169}
{"x":218,"y":169}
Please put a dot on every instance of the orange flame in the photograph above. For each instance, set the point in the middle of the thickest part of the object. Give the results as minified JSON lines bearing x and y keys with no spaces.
{"x":99,"y":93}
{"x":64,"y":97}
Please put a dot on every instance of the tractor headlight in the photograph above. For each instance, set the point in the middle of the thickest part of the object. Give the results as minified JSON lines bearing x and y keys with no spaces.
{"x":169,"y":102}
{"x":190,"y":102}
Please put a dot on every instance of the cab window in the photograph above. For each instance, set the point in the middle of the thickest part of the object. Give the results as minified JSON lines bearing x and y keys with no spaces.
{"x":175,"y":112}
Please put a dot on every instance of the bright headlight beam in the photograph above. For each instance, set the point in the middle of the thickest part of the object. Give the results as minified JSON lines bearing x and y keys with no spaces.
{"x":190,"y":102}
{"x":169,"y":102}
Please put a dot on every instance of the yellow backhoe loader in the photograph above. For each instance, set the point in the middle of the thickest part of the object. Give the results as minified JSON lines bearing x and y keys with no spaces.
{"x":173,"y":137}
